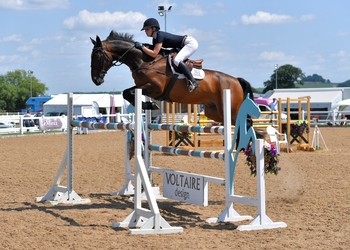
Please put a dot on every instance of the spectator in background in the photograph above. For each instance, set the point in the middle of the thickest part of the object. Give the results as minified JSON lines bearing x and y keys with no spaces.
{"x":274,"y":104}
{"x":27,"y":121}
{"x":330,"y":123}
{"x":343,"y":118}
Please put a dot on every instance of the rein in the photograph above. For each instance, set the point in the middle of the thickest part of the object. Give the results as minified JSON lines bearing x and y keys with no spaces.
{"x":150,"y":64}
{"x":118,"y":61}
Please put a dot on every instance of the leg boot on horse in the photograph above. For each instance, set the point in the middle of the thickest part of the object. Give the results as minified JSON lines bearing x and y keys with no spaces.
{"x":192,"y":82}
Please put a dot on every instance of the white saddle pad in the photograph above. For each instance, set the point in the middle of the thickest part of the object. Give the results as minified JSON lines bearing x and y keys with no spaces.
{"x":197,"y":73}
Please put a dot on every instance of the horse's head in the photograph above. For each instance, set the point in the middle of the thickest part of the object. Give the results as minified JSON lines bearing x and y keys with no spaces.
{"x":101,"y":62}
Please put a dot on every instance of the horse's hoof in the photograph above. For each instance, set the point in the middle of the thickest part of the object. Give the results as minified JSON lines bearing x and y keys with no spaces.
{"x":150,"y":106}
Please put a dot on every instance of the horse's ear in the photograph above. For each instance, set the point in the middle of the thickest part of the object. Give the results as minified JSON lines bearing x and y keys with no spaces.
{"x":98,"y":42}
{"x":93,"y":41}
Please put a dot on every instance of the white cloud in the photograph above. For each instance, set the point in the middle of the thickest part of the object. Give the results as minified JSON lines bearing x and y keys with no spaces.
{"x":319,"y":58}
{"x":344,"y":68}
{"x":307,"y":17}
{"x":86,"y":19}
{"x":190,"y":9}
{"x":264,"y":17}
{"x":276,"y":56}
{"x":33,"y":4}
{"x":24,"y":48}
{"x":198,"y":34}
{"x":341,"y":53}
{"x":36,"y":53}
{"x":261,"y":17}
{"x":262,"y":44}
{"x":13,"y":58}
{"x":343,"y":33}
{"x":315,"y":68}
{"x":13,"y":38}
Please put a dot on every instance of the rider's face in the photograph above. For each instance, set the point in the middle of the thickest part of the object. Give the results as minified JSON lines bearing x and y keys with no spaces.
{"x":148,"y":32}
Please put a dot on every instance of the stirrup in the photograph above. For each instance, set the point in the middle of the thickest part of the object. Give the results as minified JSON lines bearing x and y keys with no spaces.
{"x":192,"y":86}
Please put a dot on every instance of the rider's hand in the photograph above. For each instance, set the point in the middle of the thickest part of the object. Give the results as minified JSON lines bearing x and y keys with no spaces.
{"x":138,"y":45}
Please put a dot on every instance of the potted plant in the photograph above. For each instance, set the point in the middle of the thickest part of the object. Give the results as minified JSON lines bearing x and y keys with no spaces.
{"x":299,"y":127}
{"x":271,"y":160}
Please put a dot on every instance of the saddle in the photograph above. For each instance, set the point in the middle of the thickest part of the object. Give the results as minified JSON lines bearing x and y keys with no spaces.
{"x":197,"y":64}
{"x":174,"y":73}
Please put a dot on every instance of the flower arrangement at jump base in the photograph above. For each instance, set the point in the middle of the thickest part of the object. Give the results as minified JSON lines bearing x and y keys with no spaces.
{"x":299,"y":127}
{"x":270,"y":159}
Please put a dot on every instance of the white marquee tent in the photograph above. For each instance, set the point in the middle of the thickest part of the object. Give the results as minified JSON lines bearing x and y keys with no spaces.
{"x":84,"y":103}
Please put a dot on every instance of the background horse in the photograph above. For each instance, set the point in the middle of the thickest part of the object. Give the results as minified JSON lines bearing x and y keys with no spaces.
{"x":153,"y":76}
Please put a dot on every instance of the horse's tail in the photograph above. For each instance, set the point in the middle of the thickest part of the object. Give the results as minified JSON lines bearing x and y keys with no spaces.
{"x":247,"y":88}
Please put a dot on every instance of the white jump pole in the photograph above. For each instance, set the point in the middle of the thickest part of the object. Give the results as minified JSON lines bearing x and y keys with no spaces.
{"x":147,"y":221}
{"x":57,"y":193}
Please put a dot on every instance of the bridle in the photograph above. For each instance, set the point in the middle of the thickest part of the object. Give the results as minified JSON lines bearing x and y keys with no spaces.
{"x":118,"y":61}
{"x":104,"y":57}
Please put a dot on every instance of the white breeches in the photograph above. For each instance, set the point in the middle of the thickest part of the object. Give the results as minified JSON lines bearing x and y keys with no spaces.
{"x":190,"y":46}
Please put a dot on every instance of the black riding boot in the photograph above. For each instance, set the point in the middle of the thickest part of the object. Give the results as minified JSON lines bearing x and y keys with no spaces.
{"x":186,"y":71}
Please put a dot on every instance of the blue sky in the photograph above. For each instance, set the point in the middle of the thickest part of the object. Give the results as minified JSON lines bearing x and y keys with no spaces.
{"x":241,"y":38}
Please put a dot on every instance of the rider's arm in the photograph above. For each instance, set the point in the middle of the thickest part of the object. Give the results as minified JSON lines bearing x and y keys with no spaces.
{"x":153,"y":53}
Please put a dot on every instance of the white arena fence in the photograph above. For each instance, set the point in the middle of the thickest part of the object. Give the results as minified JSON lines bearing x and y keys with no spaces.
{"x":18,"y":120}
{"x":50,"y":123}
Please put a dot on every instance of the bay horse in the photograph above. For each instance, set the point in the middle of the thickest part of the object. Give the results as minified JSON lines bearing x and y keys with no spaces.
{"x":154,"y":77}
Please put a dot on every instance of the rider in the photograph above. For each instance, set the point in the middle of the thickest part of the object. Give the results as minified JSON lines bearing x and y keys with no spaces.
{"x":187,"y":45}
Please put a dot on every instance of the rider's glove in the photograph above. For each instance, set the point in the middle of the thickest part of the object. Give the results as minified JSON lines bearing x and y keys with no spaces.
{"x":138,"y":45}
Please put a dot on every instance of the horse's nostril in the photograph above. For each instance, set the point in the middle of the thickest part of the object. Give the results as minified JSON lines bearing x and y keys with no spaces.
{"x":98,"y":81}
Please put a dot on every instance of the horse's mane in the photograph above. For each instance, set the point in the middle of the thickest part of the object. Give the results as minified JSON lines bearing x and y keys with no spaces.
{"x":114,"y":35}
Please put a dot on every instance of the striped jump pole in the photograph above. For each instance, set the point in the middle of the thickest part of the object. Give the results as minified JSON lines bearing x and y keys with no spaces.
{"x":185,"y":128}
{"x":195,"y":153}
{"x":194,"y":129}
{"x":98,"y":125}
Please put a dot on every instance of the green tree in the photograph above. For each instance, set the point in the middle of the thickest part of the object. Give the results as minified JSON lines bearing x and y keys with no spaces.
{"x":15,"y":89}
{"x":314,"y":78}
{"x":287,"y":77}
{"x":344,"y":84}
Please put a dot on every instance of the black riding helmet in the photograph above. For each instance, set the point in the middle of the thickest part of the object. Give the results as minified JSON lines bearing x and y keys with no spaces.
{"x":150,"y":22}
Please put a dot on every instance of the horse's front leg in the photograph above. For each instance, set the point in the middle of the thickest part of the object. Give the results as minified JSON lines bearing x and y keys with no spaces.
{"x":129,"y":95}
{"x":146,"y":91}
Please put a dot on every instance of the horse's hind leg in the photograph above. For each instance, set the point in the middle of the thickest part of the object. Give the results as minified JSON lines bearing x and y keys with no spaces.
{"x":212,"y":112}
{"x":129,"y":95}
